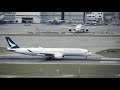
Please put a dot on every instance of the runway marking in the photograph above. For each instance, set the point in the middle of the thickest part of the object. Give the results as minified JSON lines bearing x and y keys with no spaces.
{"x":117,"y":75}
{"x":20,"y":76}
{"x":8,"y":76}
{"x":110,"y":59}
{"x":55,"y":76}
{"x":103,"y":63}
{"x":108,"y":62}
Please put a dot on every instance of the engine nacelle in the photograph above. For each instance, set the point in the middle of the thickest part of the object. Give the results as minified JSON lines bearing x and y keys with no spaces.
{"x":58,"y":56}
{"x":70,"y":30}
{"x":86,"y":30}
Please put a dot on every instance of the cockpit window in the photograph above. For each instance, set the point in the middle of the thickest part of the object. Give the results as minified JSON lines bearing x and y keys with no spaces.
{"x":88,"y":51}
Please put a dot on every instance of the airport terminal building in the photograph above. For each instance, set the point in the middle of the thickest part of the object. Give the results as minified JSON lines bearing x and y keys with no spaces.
{"x":92,"y":17}
{"x":67,"y":16}
{"x":27,"y":17}
{"x":73,"y":17}
{"x":39,"y":17}
{"x":9,"y":17}
{"x":22,"y":17}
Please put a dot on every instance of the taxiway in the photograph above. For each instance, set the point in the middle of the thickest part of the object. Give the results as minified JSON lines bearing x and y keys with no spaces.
{"x":38,"y":60}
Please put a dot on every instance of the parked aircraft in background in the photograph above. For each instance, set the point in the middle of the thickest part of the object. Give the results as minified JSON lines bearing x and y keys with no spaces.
{"x":79,"y":28}
{"x":2,"y":17}
{"x":56,"y":21}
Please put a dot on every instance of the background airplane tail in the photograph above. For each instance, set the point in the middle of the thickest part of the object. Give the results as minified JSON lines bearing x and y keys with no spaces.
{"x":11,"y":43}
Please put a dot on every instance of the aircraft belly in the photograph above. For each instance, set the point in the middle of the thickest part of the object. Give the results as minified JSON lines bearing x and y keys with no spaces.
{"x":73,"y":54}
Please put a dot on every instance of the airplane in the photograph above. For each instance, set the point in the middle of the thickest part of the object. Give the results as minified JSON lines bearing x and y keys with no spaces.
{"x":49,"y":53}
{"x":79,"y":28}
{"x":2,"y":17}
{"x":56,"y":21}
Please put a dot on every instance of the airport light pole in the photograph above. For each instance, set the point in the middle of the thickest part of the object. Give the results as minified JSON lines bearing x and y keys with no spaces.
{"x":79,"y":70}
{"x":53,"y":15}
{"x":119,"y":17}
{"x":62,"y":15}
{"x":84,"y":17}
{"x":70,"y":17}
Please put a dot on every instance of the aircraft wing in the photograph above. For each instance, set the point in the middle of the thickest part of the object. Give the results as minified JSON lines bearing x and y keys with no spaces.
{"x":45,"y":54}
{"x":72,"y":27}
{"x":48,"y":54}
{"x":68,"y":27}
{"x":90,"y":27}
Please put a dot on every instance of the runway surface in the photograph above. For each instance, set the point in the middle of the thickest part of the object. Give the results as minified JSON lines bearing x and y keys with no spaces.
{"x":94,"y":44}
{"x":21,"y":29}
{"x":36,"y":60}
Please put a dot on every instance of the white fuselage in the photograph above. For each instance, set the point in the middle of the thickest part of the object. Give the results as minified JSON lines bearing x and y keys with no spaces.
{"x":55,"y":52}
{"x":80,"y":28}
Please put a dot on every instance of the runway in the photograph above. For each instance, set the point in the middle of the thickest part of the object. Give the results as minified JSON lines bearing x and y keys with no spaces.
{"x":39,"y":35}
{"x":94,"y":43}
{"x":39,"y":60}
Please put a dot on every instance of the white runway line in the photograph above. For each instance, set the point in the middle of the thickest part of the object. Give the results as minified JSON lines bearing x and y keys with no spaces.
{"x":58,"y":62}
{"x":8,"y":76}
{"x":110,"y":59}
{"x":108,"y":62}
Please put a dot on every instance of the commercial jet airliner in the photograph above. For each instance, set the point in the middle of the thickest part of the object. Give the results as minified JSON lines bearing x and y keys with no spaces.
{"x":79,"y":28}
{"x":51,"y":53}
{"x":56,"y":21}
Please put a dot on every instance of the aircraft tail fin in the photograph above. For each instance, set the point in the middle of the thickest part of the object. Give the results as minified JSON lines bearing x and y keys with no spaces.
{"x":11,"y":43}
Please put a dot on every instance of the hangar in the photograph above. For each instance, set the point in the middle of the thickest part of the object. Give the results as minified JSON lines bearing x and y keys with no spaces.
{"x":39,"y":17}
{"x":67,"y":16}
{"x":72,"y":17}
{"x":27,"y":17}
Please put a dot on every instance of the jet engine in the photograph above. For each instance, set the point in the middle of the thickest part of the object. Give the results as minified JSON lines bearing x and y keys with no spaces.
{"x":70,"y":30}
{"x":58,"y":56}
{"x":86,"y":30}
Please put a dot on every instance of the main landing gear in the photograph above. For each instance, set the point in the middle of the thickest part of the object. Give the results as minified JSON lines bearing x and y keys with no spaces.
{"x":50,"y":58}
